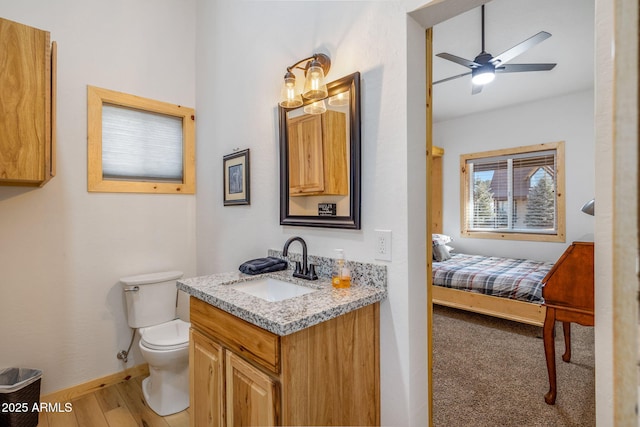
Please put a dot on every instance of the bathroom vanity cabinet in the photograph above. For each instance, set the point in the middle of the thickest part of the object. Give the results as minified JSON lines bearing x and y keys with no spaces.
{"x":326,"y":374}
{"x":27,"y":105}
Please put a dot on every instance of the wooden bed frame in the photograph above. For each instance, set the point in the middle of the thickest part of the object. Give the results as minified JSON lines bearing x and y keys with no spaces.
{"x":519,"y":311}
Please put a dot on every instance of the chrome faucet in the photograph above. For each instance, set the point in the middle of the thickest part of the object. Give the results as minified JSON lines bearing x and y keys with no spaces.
{"x":305,"y":271}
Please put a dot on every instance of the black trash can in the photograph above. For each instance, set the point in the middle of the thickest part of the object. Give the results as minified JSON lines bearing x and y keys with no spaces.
{"x":19,"y":397}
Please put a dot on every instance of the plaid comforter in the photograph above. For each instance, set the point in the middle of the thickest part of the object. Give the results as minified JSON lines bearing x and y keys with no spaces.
{"x":518,"y":279}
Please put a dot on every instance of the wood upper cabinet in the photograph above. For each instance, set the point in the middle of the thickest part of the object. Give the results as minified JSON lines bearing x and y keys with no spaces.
{"x":327,"y":374}
{"x":27,"y":105}
{"x":306,"y":167}
{"x":318,"y":154}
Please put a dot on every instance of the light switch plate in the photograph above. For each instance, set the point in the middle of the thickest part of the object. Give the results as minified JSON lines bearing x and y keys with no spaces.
{"x":383,"y":245}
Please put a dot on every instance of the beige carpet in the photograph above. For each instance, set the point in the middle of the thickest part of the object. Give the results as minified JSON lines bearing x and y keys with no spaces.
{"x":492,"y":372}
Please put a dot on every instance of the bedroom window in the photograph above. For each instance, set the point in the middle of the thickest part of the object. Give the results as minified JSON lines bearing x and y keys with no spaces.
{"x":515,"y":194}
{"x":138,"y":145}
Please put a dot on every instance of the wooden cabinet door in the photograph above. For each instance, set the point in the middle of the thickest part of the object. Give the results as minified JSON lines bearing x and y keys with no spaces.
{"x":25,"y":104}
{"x":306,"y":163}
{"x":334,"y":147}
{"x":318,"y":159}
{"x":251,"y":395}
{"x":207,"y":382}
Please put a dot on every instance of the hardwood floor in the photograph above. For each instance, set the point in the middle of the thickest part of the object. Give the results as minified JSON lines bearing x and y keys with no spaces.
{"x":119,"y":405}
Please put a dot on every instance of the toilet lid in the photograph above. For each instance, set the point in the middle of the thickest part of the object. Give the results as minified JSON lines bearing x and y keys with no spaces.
{"x":166,"y":335}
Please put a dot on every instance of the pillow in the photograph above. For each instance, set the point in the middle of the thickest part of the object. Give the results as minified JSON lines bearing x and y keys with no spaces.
{"x":440,"y":252}
{"x":440,"y":248}
{"x":441,"y":239}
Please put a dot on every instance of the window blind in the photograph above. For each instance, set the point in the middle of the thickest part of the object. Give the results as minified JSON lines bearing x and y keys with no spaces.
{"x":139,"y":145}
{"x":513,"y":192}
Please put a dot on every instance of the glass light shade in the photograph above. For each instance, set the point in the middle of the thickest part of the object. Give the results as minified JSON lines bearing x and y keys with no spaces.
{"x":315,"y":86}
{"x":289,"y":97}
{"x":317,"y":107}
{"x":339,"y":100}
{"x":483,"y":75}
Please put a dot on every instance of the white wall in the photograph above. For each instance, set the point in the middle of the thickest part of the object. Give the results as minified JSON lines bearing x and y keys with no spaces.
{"x":63,"y":249}
{"x":568,"y":118}
{"x":243,"y":51}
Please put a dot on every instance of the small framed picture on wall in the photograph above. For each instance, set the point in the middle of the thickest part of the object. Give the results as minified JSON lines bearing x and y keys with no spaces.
{"x":236,"y":178}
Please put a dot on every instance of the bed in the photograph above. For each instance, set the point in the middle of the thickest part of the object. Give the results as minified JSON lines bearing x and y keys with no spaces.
{"x":501,"y":287}
{"x":465,"y":297}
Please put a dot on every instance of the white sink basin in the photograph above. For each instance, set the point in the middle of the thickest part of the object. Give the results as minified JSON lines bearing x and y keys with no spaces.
{"x":272,"y":290}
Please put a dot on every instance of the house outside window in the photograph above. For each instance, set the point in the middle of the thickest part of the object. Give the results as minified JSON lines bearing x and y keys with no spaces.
{"x":515,"y":194}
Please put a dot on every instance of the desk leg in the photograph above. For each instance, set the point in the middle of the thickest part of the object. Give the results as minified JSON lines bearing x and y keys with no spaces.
{"x":566,"y":329}
{"x":550,"y":353}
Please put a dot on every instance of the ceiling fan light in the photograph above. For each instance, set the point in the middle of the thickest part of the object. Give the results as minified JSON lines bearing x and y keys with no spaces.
{"x":483,"y":75}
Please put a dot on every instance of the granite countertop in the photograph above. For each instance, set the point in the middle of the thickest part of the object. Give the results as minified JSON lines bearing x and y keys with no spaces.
{"x":290,"y":315}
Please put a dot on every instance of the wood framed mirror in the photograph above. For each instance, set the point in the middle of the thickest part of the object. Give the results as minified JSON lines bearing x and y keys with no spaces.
{"x":320,"y":160}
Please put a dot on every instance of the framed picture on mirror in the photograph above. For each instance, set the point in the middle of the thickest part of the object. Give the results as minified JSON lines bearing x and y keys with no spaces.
{"x":235,"y":168}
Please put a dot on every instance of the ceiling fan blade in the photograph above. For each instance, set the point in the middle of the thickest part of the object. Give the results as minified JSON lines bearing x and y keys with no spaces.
{"x":451,"y":78}
{"x":519,"y":68}
{"x":476,"y":89}
{"x":520,"y":48}
{"x":464,"y":62}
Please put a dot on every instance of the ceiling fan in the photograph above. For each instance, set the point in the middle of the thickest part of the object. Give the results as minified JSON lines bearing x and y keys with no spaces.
{"x":485,"y":66}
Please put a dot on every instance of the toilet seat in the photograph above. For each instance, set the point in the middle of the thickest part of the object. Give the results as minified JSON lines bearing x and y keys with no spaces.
{"x":167,"y":336}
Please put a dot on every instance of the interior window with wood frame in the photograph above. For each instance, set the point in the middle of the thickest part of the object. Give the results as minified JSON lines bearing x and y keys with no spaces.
{"x":515,"y":194}
{"x":139,"y":145}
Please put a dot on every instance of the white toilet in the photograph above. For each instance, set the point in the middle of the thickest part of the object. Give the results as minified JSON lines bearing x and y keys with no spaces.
{"x":164,"y":339}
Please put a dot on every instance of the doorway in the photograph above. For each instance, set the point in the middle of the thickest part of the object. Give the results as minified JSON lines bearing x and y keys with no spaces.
{"x":615,"y":329}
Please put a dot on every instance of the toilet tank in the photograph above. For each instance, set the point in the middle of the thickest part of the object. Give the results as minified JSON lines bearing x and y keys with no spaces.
{"x":151,"y":298}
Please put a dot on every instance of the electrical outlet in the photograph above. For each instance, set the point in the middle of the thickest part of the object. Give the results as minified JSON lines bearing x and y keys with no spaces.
{"x":383,"y":245}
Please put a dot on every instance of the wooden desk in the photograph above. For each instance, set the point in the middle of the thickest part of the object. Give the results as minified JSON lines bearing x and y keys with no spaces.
{"x":568,"y":295}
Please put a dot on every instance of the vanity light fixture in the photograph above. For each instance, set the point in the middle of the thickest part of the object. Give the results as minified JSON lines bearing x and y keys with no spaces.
{"x":289,"y":97}
{"x":315,"y":88}
{"x":317,"y":107}
{"x":339,"y":100}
